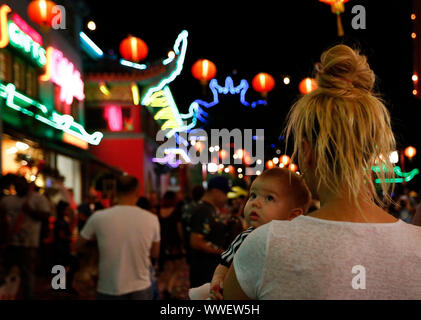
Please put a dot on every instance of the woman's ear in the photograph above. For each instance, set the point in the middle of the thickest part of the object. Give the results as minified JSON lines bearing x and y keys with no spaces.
{"x":307,"y":153}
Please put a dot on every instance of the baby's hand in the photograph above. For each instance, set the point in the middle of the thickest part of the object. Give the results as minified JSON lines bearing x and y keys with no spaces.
{"x":217,"y":283}
{"x":216,"y":289}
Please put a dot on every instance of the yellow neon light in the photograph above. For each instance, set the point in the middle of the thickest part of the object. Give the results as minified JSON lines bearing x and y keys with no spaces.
{"x":157,"y":100}
{"x":103,"y":88}
{"x":135,"y":93}
{"x":170,"y":124}
{"x":4,"y":32}
{"x":68,"y":138}
{"x":164,"y":114}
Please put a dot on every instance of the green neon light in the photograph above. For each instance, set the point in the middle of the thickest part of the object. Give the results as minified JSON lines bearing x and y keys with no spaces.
{"x":24,"y":43}
{"x":62,"y":122}
{"x":396,"y":180}
{"x":404,"y":176}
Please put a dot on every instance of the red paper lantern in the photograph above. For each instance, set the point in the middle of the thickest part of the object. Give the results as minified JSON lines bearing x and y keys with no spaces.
{"x":41,"y":12}
{"x":133,"y":49}
{"x":263,"y":82}
{"x":410,"y":152}
{"x":307,"y":85}
{"x":337,"y":8}
{"x":203,"y":70}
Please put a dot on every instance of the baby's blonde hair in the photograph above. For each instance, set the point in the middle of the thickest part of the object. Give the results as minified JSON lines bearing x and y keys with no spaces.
{"x":346,"y":124}
{"x":292,"y":185}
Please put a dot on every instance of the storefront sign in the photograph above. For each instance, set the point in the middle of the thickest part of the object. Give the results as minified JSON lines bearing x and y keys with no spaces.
{"x":68,"y":138}
{"x":63,"y":73}
{"x":19,"y":102}
{"x":21,"y":36}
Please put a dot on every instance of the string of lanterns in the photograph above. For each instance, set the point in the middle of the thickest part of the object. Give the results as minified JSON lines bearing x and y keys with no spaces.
{"x":135,"y":49}
{"x":205,"y":70}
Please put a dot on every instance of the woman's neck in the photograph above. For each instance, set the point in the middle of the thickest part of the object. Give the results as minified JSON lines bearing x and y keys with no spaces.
{"x":340,"y":207}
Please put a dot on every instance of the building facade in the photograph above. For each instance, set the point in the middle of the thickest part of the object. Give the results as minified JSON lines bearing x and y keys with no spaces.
{"x":43,"y":135}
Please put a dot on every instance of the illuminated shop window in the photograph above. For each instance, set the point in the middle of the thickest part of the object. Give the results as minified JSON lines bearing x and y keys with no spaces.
{"x":22,"y":157}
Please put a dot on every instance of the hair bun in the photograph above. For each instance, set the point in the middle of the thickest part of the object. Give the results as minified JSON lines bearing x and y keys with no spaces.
{"x":343,"y":69}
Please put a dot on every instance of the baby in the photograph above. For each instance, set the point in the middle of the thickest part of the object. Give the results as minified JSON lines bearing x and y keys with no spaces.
{"x":277,"y":194}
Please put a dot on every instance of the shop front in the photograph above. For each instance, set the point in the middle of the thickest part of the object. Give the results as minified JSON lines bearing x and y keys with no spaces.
{"x":42,"y":131}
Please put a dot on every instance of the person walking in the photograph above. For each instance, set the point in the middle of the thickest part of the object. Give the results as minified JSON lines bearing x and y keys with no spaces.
{"x":127,"y":238}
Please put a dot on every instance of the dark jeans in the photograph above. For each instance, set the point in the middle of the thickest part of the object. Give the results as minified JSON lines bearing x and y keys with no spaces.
{"x":146,"y":294}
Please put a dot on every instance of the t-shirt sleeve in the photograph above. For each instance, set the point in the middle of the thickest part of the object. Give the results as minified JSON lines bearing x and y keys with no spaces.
{"x":157,"y":228}
{"x":228,"y":255}
{"x":249,"y":261}
{"x":88,"y":232}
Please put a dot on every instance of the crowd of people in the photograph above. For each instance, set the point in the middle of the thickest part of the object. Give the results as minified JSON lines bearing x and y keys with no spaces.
{"x":37,"y":231}
{"x":288,"y":236}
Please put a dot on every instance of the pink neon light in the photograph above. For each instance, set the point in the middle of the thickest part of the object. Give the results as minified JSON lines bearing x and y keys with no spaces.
{"x":27,"y":29}
{"x":63,"y":73}
{"x":114,"y":117}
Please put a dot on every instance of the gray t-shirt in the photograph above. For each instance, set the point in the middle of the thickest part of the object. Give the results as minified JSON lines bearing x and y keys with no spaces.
{"x":28,"y":234}
{"x":125,"y":235}
{"x":311,"y":258}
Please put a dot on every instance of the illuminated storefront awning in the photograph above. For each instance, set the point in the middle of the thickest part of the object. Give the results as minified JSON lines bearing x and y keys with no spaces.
{"x":63,"y":122}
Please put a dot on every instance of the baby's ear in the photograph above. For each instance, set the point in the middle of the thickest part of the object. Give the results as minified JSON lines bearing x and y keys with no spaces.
{"x":295,"y":213}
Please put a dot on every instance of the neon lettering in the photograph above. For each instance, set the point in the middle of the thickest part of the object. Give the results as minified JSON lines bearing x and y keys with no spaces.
{"x":21,"y":36}
{"x":26,"y":28}
{"x":62,"y":72}
{"x":4,"y":34}
{"x":65,"y":122}
{"x":24,"y":43}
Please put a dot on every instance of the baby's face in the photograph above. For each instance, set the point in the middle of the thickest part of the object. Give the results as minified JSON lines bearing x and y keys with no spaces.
{"x":266,"y":202}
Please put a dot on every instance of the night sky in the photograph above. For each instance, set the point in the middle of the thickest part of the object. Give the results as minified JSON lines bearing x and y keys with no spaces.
{"x":277,"y":37}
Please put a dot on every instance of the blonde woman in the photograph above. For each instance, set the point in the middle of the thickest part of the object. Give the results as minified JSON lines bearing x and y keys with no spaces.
{"x":350,"y":248}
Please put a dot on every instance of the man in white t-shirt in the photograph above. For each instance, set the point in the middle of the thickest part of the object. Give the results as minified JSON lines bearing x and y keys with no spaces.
{"x":127,"y":238}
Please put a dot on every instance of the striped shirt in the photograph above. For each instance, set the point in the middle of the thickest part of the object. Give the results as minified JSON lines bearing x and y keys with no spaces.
{"x":228,"y":255}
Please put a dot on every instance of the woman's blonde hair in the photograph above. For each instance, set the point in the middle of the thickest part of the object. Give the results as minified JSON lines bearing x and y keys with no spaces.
{"x":346,"y":125}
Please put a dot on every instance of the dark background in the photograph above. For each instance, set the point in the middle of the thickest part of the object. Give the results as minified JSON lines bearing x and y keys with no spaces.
{"x":277,"y":37}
